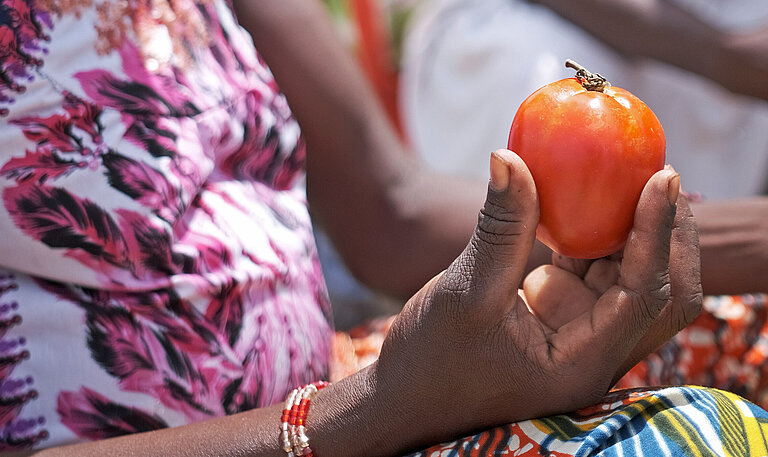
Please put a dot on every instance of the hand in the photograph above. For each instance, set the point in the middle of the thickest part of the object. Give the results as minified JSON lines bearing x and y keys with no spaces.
{"x":558,"y":293}
{"x":468,"y":351}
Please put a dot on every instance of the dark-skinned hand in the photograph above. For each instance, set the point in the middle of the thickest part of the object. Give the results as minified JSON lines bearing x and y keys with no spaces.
{"x":470,"y":350}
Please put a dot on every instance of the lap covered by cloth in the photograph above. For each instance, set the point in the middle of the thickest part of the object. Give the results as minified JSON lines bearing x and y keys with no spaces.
{"x":157,"y":263}
{"x":679,"y":421}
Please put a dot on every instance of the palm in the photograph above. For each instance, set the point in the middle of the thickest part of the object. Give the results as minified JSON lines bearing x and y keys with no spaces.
{"x":558,"y":296}
{"x":577,"y":326}
{"x":570,"y":296}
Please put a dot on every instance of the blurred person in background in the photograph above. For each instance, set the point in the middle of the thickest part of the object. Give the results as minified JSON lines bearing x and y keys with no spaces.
{"x":701,"y":65}
{"x":160,"y":286}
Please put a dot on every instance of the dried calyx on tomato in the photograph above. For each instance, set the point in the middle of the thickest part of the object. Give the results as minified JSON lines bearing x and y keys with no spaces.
{"x":590,"y":147}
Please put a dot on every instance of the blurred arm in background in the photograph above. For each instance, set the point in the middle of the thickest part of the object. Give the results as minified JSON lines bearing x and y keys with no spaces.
{"x":394,"y":222}
{"x":661,"y":30}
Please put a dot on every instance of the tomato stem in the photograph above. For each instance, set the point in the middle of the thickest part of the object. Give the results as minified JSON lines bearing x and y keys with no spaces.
{"x":590,"y":81}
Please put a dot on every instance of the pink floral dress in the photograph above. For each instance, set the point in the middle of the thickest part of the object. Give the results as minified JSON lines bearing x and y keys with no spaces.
{"x":157,"y":263}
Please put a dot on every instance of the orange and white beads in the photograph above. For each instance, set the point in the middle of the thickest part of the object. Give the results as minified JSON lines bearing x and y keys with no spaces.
{"x":293,"y":431}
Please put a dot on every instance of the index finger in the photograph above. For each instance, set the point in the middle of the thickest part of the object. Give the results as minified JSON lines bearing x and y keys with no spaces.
{"x":686,"y":294}
{"x":622,"y":316}
{"x":645,"y":263}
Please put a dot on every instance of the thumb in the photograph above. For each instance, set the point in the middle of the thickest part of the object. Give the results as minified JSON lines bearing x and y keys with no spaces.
{"x":492,"y":265}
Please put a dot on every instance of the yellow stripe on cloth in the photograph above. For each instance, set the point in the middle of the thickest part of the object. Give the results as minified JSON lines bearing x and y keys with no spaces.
{"x":742,"y":433}
{"x":686,"y":437}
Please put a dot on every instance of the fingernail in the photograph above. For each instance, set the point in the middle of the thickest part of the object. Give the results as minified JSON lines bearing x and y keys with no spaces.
{"x":499,"y":172}
{"x":673,"y":188}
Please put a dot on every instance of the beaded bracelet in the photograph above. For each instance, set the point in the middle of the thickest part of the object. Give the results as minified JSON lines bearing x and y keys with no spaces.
{"x":293,"y":432}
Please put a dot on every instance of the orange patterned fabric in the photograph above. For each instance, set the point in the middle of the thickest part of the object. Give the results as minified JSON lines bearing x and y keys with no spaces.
{"x":726,"y":348}
{"x":679,"y":421}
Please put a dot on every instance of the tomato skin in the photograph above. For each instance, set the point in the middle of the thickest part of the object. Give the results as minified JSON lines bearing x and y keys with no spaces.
{"x":590,"y":154}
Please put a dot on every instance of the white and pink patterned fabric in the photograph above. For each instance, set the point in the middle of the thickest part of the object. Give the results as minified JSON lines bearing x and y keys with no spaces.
{"x":157,"y":263}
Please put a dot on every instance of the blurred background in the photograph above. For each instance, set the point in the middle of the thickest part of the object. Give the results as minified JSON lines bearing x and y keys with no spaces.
{"x":374,"y":32}
{"x":451,"y":74}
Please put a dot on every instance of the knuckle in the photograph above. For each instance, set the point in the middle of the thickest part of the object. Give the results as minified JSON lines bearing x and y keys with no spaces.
{"x":457,"y":279}
{"x":642,"y":309}
{"x":499,"y":225}
{"x":685,"y":235}
{"x":687,"y":300}
{"x":452,"y":291}
{"x":685,"y":221}
{"x":658,"y":296}
{"x":691,"y":308}
{"x":657,"y":292}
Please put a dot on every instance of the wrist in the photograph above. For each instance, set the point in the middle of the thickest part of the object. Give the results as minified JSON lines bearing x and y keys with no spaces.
{"x":357,"y":416}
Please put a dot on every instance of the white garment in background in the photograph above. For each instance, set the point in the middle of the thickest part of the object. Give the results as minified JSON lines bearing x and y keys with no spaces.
{"x":468,"y":64}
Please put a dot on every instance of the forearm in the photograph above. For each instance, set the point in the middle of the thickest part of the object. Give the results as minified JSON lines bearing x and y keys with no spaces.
{"x":348,"y":418}
{"x":660,"y":30}
{"x":438,"y":214}
{"x":394,"y":223}
{"x":253,"y":433}
{"x":734,"y":245}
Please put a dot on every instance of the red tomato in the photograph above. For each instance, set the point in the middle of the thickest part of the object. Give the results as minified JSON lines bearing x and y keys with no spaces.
{"x":590,"y":153}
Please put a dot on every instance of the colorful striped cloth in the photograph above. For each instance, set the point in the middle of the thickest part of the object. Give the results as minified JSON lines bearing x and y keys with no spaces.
{"x":679,"y":421}
{"x":725,"y":349}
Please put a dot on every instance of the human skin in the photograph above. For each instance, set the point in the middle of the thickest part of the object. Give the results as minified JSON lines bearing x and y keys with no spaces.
{"x":471,"y":307}
{"x":660,"y":30}
{"x":371,"y":194}
{"x":734,"y":245}
{"x":734,"y":233}
{"x":469,"y":352}
{"x":376,"y":199}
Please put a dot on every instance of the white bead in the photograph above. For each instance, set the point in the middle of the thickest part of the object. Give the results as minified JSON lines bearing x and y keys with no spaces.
{"x":290,"y":399}
{"x":303,"y":441}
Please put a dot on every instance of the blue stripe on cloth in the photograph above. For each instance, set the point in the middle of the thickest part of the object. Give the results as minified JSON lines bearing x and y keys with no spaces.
{"x":674,"y":421}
